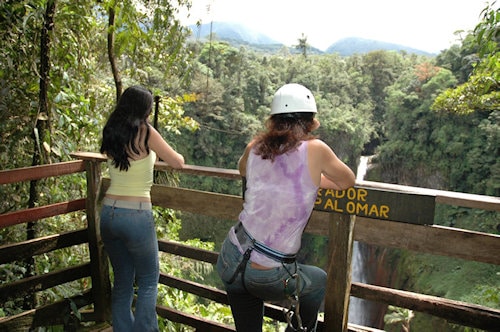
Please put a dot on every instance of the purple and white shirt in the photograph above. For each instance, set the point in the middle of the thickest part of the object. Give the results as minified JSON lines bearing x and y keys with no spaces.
{"x":279,"y":199}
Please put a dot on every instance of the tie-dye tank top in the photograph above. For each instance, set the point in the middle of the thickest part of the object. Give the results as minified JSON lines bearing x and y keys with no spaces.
{"x":279,"y":199}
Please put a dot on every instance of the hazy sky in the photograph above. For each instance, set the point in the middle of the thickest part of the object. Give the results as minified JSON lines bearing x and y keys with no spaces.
{"x":427,"y":25}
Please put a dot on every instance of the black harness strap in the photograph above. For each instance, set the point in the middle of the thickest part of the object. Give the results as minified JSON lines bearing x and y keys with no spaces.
{"x":247,"y":241}
{"x":241,"y":267}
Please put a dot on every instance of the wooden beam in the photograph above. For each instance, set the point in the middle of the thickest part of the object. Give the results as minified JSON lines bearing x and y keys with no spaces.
{"x":198,"y":289}
{"x":200,"y":324}
{"x":101,"y":284}
{"x":162,"y":166}
{"x":45,"y":281}
{"x":41,"y":171}
{"x":463,"y":313}
{"x":338,"y":285}
{"x":195,"y":201}
{"x":183,"y":250}
{"x":37,"y":213}
{"x":38,"y":246}
{"x":436,"y":240}
{"x":201,"y":171}
{"x":474,"y":201}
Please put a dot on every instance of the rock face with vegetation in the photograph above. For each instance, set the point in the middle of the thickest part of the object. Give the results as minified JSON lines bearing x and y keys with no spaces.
{"x":430,"y":121}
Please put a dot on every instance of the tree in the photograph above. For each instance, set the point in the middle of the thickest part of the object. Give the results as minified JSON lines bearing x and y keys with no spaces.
{"x":303,"y":46}
{"x":381,"y":69}
{"x":479,"y":97}
{"x":136,"y":29}
{"x":482,"y":90}
{"x":409,"y":153}
{"x":111,"y":49}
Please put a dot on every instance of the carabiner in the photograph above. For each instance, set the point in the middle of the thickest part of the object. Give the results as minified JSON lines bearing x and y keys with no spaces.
{"x":294,"y":305}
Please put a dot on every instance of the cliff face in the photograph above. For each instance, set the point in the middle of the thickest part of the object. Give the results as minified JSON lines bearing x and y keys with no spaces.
{"x":417,"y":177}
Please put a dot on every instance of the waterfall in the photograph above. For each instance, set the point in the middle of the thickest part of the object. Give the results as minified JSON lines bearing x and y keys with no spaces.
{"x":359,"y":308}
{"x":362,"y":167}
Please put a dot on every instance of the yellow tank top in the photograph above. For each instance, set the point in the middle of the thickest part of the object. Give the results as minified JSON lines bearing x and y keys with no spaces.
{"x":137,"y":181}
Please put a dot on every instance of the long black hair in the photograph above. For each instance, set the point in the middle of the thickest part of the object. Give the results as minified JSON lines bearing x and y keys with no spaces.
{"x":129,"y":119}
{"x":284,"y":133}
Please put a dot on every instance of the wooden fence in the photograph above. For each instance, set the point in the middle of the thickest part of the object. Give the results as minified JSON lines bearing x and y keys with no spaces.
{"x":374,"y":224}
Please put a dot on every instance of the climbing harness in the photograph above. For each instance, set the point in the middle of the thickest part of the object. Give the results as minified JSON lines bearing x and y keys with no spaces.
{"x":248,"y":243}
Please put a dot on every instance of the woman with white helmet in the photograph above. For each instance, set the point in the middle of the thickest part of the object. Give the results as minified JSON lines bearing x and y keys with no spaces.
{"x":283,"y":167}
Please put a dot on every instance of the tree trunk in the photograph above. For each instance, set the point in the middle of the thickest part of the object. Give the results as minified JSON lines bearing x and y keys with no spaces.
{"x":41,"y":132}
{"x":111,"y":51}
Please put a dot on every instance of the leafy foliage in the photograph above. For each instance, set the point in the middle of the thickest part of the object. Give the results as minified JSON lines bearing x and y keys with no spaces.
{"x":481,"y":92}
{"x":399,"y":316}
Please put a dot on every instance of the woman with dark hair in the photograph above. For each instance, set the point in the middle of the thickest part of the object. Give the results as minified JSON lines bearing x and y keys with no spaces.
{"x":283,"y":168}
{"x":127,"y":226}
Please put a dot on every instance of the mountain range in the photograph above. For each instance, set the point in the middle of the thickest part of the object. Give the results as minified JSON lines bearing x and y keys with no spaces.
{"x":240,"y":35}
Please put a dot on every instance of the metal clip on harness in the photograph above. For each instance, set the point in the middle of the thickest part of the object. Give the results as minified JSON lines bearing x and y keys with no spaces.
{"x":294,"y":306}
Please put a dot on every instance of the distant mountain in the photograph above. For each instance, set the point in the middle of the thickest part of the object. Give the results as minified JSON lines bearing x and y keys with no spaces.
{"x":230,"y":31}
{"x":354,"y":45}
{"x":239,"y":35}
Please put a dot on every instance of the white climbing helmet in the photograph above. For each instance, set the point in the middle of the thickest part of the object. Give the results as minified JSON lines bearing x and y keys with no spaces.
{"x":293,"y":98}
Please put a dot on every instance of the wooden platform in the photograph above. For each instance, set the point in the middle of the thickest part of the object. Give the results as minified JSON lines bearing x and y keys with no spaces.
{"x":106,"y":328}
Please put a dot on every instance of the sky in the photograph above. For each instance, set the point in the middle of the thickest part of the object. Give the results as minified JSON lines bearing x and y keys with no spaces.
{"x":427,"y":25}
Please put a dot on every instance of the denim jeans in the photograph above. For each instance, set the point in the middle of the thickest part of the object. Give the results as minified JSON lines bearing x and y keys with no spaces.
{"x":247,"y":300}
{"x":129,"y":237}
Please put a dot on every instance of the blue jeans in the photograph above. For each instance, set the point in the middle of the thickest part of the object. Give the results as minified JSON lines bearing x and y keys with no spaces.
{"x":246,"y":296}
{"x":129,"y":237}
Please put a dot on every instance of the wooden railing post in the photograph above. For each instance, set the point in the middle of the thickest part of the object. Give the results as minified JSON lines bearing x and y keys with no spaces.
{"x":101,"y":285}
{"x":338,"y":286}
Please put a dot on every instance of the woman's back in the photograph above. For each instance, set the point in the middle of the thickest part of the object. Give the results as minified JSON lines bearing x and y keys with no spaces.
{"x":279,"y":199}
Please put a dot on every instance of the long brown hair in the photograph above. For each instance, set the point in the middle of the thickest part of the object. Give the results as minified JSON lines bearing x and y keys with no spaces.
{"x":125,"y":123}
{"x":284,"y":133}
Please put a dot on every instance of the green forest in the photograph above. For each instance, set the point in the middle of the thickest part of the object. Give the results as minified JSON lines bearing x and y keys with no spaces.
{"x":430,"y":122}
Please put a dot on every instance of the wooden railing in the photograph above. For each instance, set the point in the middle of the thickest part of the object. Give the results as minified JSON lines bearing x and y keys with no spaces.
{"x":341,"y":229}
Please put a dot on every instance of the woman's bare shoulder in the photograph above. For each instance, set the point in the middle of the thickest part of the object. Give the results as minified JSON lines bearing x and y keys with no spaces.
{"x":318,"y":144}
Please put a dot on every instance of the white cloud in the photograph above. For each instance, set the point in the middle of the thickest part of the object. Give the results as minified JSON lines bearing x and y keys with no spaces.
{"x":428,"y":25}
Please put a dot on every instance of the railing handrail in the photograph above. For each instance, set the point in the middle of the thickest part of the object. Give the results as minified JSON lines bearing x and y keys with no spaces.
{"x":484,"y":202}
{"x":30,"y":173}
